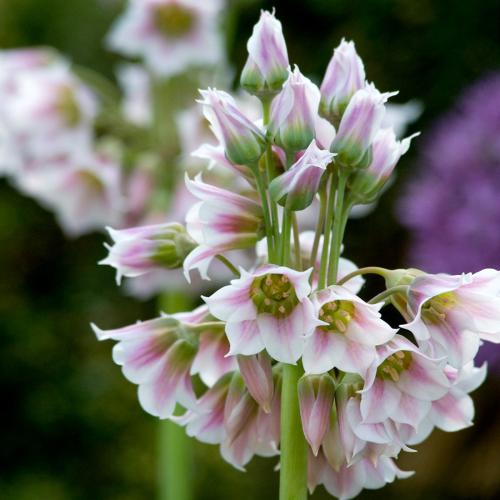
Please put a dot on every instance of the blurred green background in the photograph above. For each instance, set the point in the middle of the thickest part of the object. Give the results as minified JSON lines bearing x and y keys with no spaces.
{"x":71,"y":424}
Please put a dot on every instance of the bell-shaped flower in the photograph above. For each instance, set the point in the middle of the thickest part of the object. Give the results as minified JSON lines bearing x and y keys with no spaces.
{"x":160,"y":355}
{"x":385,"y":153}
{"x":401,"y":384}
{"x":266,"y":309}
{"x":220,"y":222}
{"x":348,"y":332}
{"x":296,"y":188}
{"x":145,"y":249}
{"x":257,"y":372}
{"x":154,"y":357}
{"x":360,"y":122}
{"x":452,"y":314}
{"x":294,"y":113}
{"x":243,"y":141}
{"x":249,"y":430}
{"x":170,"y":35}
{"x":344,"y":76}
{"x":267,"y":65}
{"x":316,"y":394}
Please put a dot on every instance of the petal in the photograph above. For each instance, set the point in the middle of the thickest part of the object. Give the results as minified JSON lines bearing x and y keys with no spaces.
{"x":233,"y":302}
{"x":244,"y":338}
{"x":379,"y":401}
{"x":284,"y":337}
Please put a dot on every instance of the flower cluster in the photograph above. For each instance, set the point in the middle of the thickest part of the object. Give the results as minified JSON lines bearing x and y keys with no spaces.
{"x":293,"y":361}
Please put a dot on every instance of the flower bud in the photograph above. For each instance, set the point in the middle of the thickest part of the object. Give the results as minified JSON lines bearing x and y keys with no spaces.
{"x":141,"y":250}
{"x":344,"y":76}
{"x":243,"y":142}
{"x":316,"y":393}
{"x":294,"y":112}
{"x":386,"y":152}
{"x":267,"y":65}
{"x":360,"y":122}
{"x":257,"y":372}
{"x":295,"y":189}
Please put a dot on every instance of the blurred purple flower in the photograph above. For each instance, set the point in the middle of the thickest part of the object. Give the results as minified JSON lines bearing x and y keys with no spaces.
{"x":453,"y":208}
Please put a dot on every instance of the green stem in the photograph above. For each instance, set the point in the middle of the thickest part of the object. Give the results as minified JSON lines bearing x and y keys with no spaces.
{"x":319,"y":227}
{"x":265,"y":208}
{"x":293,"y":466}
{"x":382,"y":296}
{"x":296,"y":243}
{"x":228,"y":264}
{"x":174,"y":447}
{"x":326,"y":234}
{"x":269,"y":175}
{"x":338,"y":230}
{"x":364,"y":270}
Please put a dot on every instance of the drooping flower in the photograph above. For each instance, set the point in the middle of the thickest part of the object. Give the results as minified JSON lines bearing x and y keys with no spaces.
{"x":295,"y":189}
{"x":220,"y":222}
{"x":227,"y":415}
{"x":243,"y":141}
{"x":153,"y":356}
{"x":267,"y":65}
{"x":360,"y":122}
{"x":316,"y":394}
{"x":401,"y":384}
{"x":344,"y":76}
{"x":145,"y":249}
{"x":257,"y":372}
{"x":385,"y":153}
{"x":294,"y":113}
{"x":453,"y":313}
{"x":160,"y":355}
{"x":348,"y":333}
{"x":266,"y":309}
{"x":170,"y":35}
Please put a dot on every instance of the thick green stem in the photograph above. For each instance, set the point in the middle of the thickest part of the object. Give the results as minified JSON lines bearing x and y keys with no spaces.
{"x":174,"y":463}
{"x":293,"y":467}
{"x":174,"y":447}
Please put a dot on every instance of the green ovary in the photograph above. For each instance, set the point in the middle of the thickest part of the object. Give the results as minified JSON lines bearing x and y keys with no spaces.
{"x":392,"y":367}
{"x":273,"y":294}
{"x":174,"y":21}
{"x":337,"y":314}
{"x":436,"y":309}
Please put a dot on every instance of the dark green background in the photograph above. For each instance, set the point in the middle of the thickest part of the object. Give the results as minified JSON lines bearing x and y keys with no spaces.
{"x":71,"y":425}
